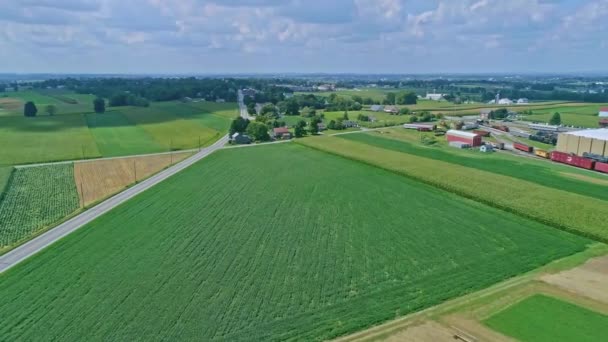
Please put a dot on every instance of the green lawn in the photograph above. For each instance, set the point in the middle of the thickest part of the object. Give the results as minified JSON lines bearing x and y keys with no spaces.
{"x":541,"y":318}
{"x":269,"y":258}
{"x":35,"y":198}
{"x":542,"y":174}
{"x":44,"y":138}
{"x":116,"y":136}
{"x":570,"y":211}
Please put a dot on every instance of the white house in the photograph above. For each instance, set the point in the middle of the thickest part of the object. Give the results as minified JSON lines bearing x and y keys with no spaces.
{"x":505,"y":101}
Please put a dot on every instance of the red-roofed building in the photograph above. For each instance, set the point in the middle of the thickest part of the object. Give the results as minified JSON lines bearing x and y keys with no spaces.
{"x":281,"y":133}
{"x":603,"y":114}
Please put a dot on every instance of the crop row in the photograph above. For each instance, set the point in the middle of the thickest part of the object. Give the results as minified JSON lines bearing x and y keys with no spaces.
{"x":270,"y":243}
{"x":36,"y":197}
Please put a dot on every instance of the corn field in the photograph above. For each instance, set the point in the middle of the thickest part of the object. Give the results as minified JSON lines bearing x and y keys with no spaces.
{"x":36,"y":197}
{"x":279,"y":242}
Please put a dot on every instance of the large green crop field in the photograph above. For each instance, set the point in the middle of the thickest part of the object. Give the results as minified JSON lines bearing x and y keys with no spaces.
{"x":546,"y":174}
{"x":35,"y":198}
{"x":119,"y":131}
{"x":546,"y":319}
{"x":5,"y":174}
{"x":299,"y":255}
{"x":42,"y":98}
{"x":574,"y":212}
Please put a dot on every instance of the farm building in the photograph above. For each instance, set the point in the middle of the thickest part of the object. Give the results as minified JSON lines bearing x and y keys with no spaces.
{"x":391,"y":109}
{"x":349,"y":124}
{"x":434,"y":96}
{"x":486,"y":148}
{"x":425,"y":127}
{"x":239,"y":138}
{"x":459,"y":144}
{"x":464,"y":137}
{"x":505,"y":101}
{"x":376,"y":108}
{"x":321,"y":127}
{"x":587,"y":141}
{"x":603,"y":114}
{"x":281,"y":133}
{"x":523,"y":100}
{"x":546,"y":128}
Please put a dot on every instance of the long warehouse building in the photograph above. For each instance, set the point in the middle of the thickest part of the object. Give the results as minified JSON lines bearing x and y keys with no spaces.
{"x":578,"y":142}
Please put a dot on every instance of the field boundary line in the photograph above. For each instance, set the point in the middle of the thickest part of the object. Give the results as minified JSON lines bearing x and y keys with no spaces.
{"x":21,"y":253}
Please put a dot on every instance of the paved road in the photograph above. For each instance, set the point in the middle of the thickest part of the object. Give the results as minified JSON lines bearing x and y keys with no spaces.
{"x":32,"y":247}
{"x":243,"y":108}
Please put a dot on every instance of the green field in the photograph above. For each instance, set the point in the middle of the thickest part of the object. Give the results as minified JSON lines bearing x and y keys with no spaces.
{"x":45,"y":138}
{"x":42,"y":98}
{"x":116,"y":136}
{"x":540,"y":173}
{"x":541,"y":318}
{"x":584,"y":215}
{"x":119,"y":131}
{"x":299,"y":255}
{"x":35,"y":198}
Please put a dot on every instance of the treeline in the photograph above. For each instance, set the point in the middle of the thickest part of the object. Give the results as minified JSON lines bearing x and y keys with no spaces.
{"x":139,"y":91}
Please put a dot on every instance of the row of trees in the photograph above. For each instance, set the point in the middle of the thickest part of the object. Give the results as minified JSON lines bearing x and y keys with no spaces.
{"x":30,"y":109}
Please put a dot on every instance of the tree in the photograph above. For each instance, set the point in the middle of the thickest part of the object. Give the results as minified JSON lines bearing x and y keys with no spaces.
{"x":251,"y":108}
{"x":270,"y":110}
{"x":345,"y":116}
{"x":390,"y":98}
{"x":556,"y":119}
{"x":331,"y":124}
{"x":258,"y":131}
{"x":292,"y":107}
{"x":30,"y":109}
{"x":308,"y":112}
{"x":404,"y":111}
{"x":499,"y":113}
{"x":299,"y":131}
{"x":99,"y":105}
{"x":407,"y":98}
{"x":238,"y":125}
{"x":314,"y":125}
{"x":50,"y":110}
{"x":413,"y":118}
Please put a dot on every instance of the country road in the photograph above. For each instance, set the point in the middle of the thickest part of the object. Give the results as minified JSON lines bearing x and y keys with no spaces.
{"x":35,"y":245}
{"x":243,"y":109}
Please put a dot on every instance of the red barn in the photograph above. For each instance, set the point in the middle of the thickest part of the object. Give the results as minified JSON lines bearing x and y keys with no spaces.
{"x":465,"y":137}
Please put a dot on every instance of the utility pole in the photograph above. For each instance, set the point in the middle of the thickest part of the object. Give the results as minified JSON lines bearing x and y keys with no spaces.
{"x":82,"y":147}
{"x":134,"y":171}
{"x":199,"y":143}
{"x":171,"y":151}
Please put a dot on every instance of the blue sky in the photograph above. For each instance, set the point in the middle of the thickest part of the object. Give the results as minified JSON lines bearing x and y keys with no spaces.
{"x":261,"y":36}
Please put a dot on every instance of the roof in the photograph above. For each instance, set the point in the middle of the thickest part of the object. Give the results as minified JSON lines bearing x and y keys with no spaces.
{"x":281,"y":130}
{"x":600,"y":133}
{"x":462,"y":133}
{"x":604,"y":109}
{"x":235,"y":135}
{"x":486,"y":111}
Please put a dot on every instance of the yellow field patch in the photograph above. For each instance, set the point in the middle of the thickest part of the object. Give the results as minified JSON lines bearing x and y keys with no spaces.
{"x":9,"y":105}
{"x":99,"y":179}
{"x":586,"y":178}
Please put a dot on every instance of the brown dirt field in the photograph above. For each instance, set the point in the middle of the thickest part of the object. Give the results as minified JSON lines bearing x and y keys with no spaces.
{"x":99,"y":179}
{"x":8,"y":105}
{"x":589,"y":280}
{"x":473,"y":330}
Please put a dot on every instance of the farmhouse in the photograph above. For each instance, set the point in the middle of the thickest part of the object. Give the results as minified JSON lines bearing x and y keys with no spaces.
{"x":349,"y":123}
{"x":391,"y":109}
{"x":464,"y":137}
{"x":376,"y":108}
{"x":321,"y":127}
{"x":239,"y":138}
{"x":523,"y":100}
{"x":281,"y":133}
{"x":587,"y":141}
{"x":249,"y":92}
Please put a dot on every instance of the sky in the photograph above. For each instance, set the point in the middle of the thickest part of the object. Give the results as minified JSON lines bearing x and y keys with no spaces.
{"x":303,"y":36}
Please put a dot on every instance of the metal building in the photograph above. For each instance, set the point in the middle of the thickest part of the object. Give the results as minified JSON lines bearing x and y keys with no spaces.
{"x":587,"y":141}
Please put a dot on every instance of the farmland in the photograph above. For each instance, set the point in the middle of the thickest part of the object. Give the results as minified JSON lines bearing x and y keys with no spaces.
{"x":5,"y":173}
{"x":13,"y":102}
{"x":570,"y":211}
{"x":268,"y":257}
{"x":119,"y":131}
{"x":532,"y":171}
{"x":542,"y":318}
{"x":98,"y":179}
{"x":35,"y":198}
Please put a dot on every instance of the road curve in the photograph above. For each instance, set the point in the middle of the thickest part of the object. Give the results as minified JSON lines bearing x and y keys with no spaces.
{"x":35,"y":245}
